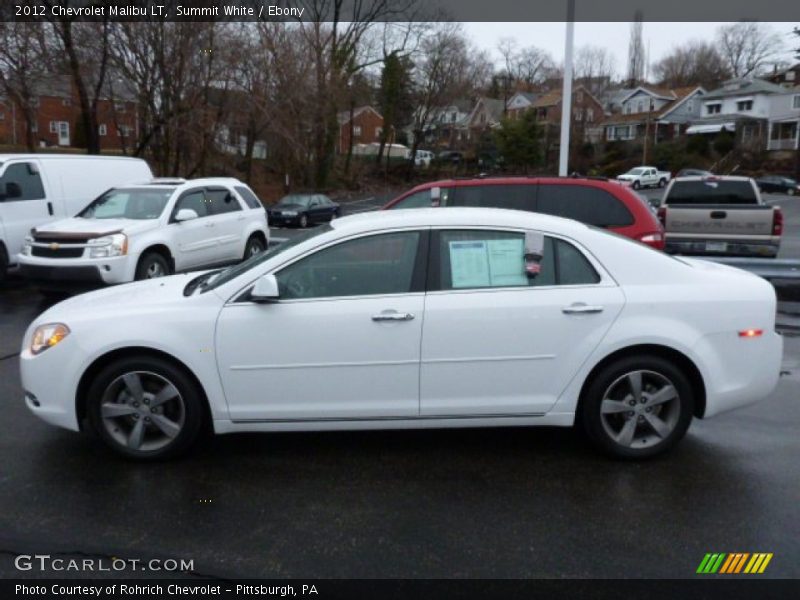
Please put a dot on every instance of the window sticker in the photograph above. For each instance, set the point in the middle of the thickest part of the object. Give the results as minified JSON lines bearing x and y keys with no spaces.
{"x":487,"y":263}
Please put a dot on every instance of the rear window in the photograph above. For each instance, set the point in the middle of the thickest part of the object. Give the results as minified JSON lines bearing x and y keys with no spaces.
{"x":517,"y":197}
{"x":589,"y":205}
{"x":711,"y":192}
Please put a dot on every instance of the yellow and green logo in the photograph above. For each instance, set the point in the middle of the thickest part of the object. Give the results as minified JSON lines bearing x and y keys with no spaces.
{"x":736,"y":562}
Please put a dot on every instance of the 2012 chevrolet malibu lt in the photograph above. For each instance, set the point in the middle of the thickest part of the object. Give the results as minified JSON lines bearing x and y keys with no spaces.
{"x":403,"y":319}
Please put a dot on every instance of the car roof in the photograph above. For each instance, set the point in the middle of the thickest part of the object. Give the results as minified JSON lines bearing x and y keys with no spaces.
{"x":713,"y":178}
{"x":456,"y":217}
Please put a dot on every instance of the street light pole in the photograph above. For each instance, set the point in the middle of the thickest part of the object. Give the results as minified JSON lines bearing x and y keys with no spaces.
{"x":566,"y":92}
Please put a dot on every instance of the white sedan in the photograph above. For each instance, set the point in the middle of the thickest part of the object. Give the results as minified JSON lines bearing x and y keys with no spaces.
{"x":409,"y":319}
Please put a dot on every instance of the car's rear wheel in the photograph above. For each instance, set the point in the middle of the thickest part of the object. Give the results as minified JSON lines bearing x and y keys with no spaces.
{"x":637,"y":407}
{"x":303,"y":221}
{"x":255,"y":245}
{"x":662,"y":183}
{"x":151,"y":266}
{"x":145,"y":408}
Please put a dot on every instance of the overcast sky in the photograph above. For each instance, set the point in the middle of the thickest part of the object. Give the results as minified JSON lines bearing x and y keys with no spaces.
{"x":660,"y":37}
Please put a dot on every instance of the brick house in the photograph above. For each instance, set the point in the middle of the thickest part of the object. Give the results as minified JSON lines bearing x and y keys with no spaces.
{"x":587,"y":112}
{"x":58,"y":118}
{"x":367,"y":127}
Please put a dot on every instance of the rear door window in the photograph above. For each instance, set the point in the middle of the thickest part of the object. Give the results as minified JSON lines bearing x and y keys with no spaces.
{"x":516,"y":197}
{"x":221,"y":201}
{"x":590,"y":205}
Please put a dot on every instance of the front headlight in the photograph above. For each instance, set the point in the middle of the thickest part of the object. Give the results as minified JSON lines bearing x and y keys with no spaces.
{"x":48,"y":335}
{"x":109,"y":246}
{"x":26,"y":245}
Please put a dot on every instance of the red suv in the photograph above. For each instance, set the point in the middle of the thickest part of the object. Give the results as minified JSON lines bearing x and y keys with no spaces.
{"x":597,"y":202}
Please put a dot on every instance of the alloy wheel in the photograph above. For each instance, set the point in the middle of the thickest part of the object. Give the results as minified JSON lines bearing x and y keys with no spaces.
{"x":640,"y":409}
{"x":154,"y":269}
{"x":142,"y":411}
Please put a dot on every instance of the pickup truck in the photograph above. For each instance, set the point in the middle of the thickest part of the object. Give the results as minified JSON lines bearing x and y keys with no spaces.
{"x":642,"y":177}
{"x":719,"y":216}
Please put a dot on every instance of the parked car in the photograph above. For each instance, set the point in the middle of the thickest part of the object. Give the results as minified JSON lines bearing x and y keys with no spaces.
{"x":451,"y":156}
{"x":596,"y":202}
{"x":146,"y":231}
{"x":642,"y":177}
{"x":37,"y":188}
{"x":423,"y":158}
{"x":303,"y":210}
{"x":694,"y":173}
{"x":412,"y":319}
{"x":775,"y":184}
{"x":719,"y":215}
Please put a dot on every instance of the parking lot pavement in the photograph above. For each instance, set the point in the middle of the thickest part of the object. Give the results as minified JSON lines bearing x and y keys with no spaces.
{"x":506,"y":503}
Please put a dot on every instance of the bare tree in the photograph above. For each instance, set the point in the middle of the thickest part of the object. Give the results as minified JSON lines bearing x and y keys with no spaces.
{"x":527,"y":65}
{"x":636,"y":52}
{"x":23,"y":60}
{"x":747,"y":47}
{"x":696,"y":63}
{"x":594,"y":67}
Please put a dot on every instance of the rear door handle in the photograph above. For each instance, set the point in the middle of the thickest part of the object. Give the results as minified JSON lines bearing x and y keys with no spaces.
{"x":581,"y":309}
{"x":392,"y":315}
{"x":50,"y":208}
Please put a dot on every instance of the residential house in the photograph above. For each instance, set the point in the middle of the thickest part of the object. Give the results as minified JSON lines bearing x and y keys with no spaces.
{"x":58,"y":120}
{"x":235,"y":119}
{"x":366,"y":125}
{"x":788,"y":77}
{"x":784,"y":121}
{"x":740,"y":107}
{"x":519,"y":103}
{"x":444,"y":125}
{"x":587,"y":112}
{"x":485,"y":115}
{"x":654,"y":113}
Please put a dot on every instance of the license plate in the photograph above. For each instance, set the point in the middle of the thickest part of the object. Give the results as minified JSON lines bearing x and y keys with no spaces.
{"x":716,"y":246}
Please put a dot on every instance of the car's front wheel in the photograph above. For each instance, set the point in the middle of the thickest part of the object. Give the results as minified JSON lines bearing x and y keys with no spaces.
{"x":637,"y":407}
{"x":662,"y":183}
{"x":255,"y":245}
{"x":790,"y":192}
{"x":303,"y":221}
{"x":145,"y":408}
{"x":152,"y":265}
{"x":636,"y":185}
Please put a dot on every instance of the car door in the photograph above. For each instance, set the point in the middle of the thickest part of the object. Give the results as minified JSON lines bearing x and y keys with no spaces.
{"x":196,"y":239}
{"x":342,"y":342}
{"x":229,"y":223}
{"x":497,"y":341}
{"x":25,"y":207}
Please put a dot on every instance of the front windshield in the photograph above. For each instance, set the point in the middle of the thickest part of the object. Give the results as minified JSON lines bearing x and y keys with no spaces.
{"x":244,"y":266}
{"x":295,"y":201}
{"x":128,"y":203}
{"x":635,"y":171}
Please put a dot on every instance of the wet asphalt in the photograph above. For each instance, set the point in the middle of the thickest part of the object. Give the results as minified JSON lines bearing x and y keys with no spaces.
{"x":472,"y":503}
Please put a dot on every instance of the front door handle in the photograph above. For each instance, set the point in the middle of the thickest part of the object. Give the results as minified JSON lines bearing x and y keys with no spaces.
{"x":580,"y":308}
{"x":392,"y":315}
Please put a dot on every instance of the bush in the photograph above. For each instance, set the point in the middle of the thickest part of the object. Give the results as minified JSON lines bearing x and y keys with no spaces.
{"x":723,"y":143}
{"x":698,"y":144}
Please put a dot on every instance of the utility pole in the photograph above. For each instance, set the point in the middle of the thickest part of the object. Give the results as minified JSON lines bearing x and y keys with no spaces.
{"x":647,"y":131}
{"x":566,"y":92}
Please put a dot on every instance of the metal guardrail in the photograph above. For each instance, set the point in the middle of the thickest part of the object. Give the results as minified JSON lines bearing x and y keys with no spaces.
{"x":768,"y":268}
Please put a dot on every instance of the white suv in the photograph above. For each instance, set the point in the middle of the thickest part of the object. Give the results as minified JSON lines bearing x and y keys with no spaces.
{"x":148,"y":230}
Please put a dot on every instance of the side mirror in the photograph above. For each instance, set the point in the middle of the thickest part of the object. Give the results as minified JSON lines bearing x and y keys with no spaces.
{"x":265,"y":289}
{"x":12,"y":190}
{"x":186,"y":214}
{"x":436,"y":195}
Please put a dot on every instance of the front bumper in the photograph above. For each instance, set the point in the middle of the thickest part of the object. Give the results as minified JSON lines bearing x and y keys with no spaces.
{"x":277,"y":220}
{"x":703,"y":247}
{"x":75,"y":274}
{"x":49,"y":381}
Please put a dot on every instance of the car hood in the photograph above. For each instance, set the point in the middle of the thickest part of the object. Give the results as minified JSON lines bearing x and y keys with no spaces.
{"x":627,"y":176}
{"x":92,"y":228}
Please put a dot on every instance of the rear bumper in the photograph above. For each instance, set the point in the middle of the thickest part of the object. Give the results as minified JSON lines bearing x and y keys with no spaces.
{"x":700,"y":247}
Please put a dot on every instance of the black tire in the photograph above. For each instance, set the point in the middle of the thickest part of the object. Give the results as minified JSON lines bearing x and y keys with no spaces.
{"x":303,"y":222}
{"x":3,"y":263}
{"x":679,"y":414}
{"x":150,"y":264}
{"x":790,"y":192}
{"x":255,"y":245}
{"x":662,"y":183}
{"x":636,"y":185}
{"x":193,"y":413}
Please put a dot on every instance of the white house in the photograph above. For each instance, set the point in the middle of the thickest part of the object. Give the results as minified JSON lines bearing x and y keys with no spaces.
{"x":784,"y":120}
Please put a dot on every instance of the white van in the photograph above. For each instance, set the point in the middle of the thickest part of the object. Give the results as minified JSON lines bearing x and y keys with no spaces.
{"x":37,"y":188}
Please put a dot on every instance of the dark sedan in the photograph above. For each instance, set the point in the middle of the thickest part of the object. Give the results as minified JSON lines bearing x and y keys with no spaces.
{"x":694,"y":173}
{"x":303,"y":210}
{"x":776,"y":184}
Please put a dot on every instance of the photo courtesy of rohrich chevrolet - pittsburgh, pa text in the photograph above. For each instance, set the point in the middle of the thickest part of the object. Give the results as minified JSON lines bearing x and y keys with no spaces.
{"x":400,"y":299}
